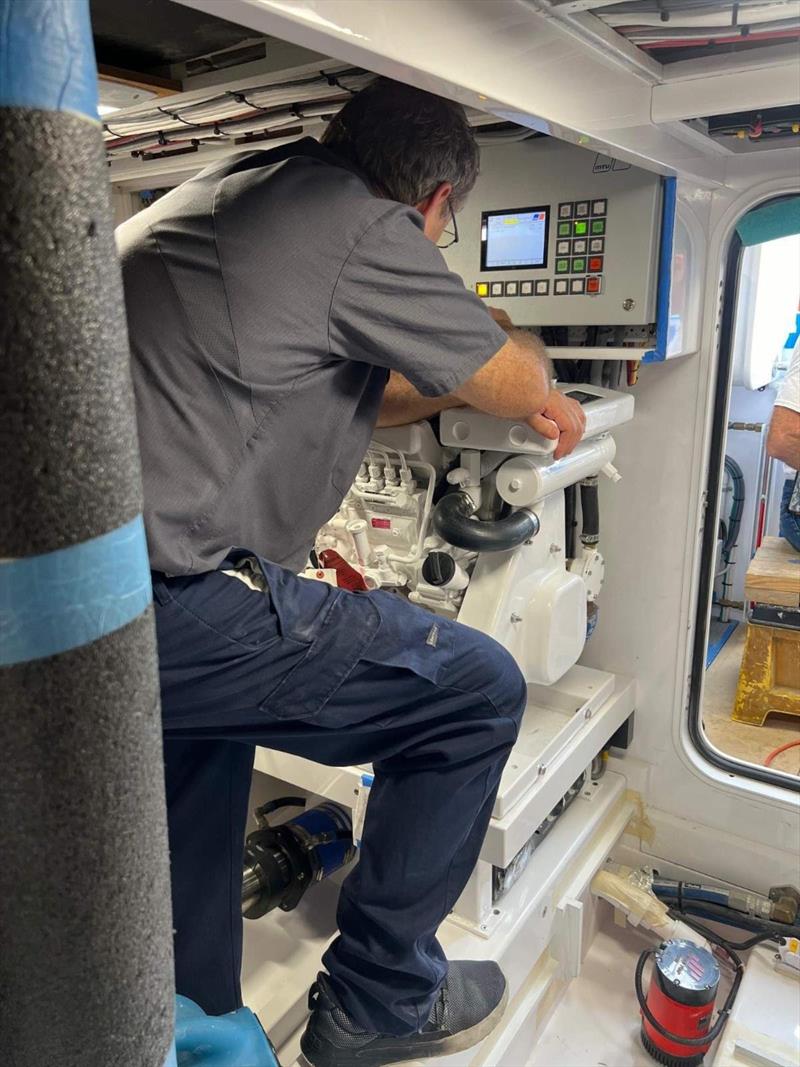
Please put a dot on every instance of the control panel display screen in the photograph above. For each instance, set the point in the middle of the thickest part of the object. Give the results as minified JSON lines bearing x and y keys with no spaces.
{"x":581,"y":397}
{"x":514,"y":239}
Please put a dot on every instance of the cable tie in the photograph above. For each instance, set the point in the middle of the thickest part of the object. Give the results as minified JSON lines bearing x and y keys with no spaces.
{"x":332,"y":80}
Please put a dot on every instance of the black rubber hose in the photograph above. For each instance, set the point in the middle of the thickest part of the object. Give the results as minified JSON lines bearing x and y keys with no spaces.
{"x":730,"y":917}
{"x":590,"y":512}
{"x":734,"y":471}
{"x":452,"y":520}
{"x":710,"y":935}
{"x":570,"y":504}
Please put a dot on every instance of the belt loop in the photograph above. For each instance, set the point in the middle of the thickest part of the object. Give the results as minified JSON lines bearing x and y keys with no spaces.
{"x":160,"y":594}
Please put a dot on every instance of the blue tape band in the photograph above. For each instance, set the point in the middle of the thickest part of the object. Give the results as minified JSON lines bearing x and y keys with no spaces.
{"x":172,"y":1057}
{"x":47,"y":56}
{"x":73,"y":596}
{"x":659,"y":353}
{"x":770,"y":222}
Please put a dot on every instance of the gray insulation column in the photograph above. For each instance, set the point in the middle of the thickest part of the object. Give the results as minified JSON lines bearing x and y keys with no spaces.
{"x":86,"y":975}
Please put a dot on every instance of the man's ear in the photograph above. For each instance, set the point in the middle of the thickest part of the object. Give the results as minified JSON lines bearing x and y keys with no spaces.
{"x":435,"y":210}
{"x":436,"y":203}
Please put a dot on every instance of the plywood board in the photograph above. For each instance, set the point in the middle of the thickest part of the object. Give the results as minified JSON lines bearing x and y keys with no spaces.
{"x":773,"y":576}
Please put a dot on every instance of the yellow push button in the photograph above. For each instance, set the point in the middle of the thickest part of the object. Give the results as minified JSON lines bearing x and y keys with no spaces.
{"x":482,"y":288}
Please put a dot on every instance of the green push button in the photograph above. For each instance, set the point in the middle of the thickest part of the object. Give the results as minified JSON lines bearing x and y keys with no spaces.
{"x":581,"y":228}
{"x":562,"y":266}
{"x":579,"y":266}
{"x":564,"y":229}
{"x":598,"y":227}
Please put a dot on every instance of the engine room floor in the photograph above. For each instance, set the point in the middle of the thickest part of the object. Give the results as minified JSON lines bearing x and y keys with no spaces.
{"x":597,"y":1022}
{"x":739,"y":739}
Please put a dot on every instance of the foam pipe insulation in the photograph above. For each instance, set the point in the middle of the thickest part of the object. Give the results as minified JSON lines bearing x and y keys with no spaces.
{"x":86,"y":976}
{"x":623,"y":889}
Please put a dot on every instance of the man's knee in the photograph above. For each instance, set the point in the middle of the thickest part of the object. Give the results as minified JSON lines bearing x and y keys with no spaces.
{"x":511,"y":685}
{"x":487,"y":667}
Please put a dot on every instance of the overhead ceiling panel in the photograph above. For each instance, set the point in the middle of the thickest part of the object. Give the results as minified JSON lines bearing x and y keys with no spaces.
{"x":674,"y":30}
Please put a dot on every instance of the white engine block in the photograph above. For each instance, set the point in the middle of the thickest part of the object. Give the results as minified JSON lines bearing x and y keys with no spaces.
{"x":530,"y":598}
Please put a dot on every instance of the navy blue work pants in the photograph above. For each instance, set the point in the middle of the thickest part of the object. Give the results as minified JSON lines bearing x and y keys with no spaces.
{"x":790,"y":520}
{"x":339,"y":678}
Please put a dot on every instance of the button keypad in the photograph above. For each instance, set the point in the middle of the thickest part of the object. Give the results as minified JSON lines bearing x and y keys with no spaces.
{"x":580,"y":245}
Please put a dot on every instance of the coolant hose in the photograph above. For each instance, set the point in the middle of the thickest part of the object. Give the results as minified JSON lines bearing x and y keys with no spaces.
{"x":452,"y":520}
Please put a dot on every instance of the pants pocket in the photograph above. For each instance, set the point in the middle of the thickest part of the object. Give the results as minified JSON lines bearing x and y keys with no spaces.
{"x":410,"y":637}
{"x":336,"y":627}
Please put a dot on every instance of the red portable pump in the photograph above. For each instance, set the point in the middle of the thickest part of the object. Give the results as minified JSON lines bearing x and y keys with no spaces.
{"x":676,"y":1014}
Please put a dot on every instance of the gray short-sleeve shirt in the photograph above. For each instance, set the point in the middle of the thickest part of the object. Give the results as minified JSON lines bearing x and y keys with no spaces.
{"x":267,"y":299}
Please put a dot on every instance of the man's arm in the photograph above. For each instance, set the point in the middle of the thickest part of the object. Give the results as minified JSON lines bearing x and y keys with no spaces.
{"x":783,"y":440}
{"x":403,"y":404}
{"x":513,"y":384}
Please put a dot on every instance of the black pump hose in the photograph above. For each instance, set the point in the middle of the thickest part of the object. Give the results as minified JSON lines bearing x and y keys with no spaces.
{"x":570,"y":502}
{"x":590,"y":512}
{"x":452,"y":520}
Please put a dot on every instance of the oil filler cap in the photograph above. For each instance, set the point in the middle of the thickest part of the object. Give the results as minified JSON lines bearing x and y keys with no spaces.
{"x":439,"y":568}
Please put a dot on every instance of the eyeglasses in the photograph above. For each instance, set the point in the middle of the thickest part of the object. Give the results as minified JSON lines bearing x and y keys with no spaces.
{"x":451,"y":231}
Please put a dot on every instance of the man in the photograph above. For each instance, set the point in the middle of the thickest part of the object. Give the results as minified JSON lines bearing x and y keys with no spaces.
{"x":279,"y":304}
{"x":783,"y":443}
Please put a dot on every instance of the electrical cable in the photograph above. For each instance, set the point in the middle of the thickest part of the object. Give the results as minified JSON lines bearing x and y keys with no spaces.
{"x":709,"y":935}
{"x":144,"y":126}
{"x":234,"y":95}
{"x":640,"y":34}
{"x":702,"y":40}
{"x":731,"y":917}
{"x":254,"y":121}
{"x":777,"y":751}
{"x":735,"y":473}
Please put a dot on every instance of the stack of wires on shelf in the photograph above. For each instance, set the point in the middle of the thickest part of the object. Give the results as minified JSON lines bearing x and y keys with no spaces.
{"x":233,"y":116}
{"x":670,"y":24}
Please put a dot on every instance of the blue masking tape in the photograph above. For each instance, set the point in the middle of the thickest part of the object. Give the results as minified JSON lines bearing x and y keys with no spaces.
{"x":172,"y":1057}
{"x":47,"y":56}
{"x":73,"y":596}
{"x":659,"y":353}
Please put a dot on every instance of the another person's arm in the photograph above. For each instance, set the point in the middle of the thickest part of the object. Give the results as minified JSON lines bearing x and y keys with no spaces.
{"x":783,"y":440}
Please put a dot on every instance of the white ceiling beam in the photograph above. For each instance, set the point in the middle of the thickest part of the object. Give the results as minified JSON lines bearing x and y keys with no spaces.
{"x":500,"y":56}
{"x":703,"y":89}
{"x":593,"y":32}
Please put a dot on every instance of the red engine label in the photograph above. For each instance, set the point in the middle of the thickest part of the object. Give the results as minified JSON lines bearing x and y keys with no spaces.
{"x":381,"y":524}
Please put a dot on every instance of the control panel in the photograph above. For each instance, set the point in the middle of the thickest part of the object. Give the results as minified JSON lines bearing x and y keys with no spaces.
{"x":559,"y":236}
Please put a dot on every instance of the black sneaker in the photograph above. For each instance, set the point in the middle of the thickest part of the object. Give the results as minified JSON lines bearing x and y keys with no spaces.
{"x":467,"y":1008}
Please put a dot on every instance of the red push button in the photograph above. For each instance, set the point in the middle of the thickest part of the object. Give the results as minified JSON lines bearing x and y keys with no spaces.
{"x":594,"y":284}
{"x":596,"y":263}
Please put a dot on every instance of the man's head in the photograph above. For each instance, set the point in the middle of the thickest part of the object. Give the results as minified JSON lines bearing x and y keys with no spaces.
{"x":413,"y":147}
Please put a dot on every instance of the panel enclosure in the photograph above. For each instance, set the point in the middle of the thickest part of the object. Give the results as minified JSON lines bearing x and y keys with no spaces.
{"x":604,"y":228}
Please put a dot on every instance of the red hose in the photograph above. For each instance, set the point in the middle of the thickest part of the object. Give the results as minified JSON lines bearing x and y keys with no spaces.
{"x":777,"y":751}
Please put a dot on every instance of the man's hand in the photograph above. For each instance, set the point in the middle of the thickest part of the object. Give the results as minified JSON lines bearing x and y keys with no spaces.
{"x":562,"y":419}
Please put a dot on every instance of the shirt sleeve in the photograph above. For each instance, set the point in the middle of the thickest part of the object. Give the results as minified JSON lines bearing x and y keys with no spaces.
{"x":396,"y":305}
{"x":789,"y":390}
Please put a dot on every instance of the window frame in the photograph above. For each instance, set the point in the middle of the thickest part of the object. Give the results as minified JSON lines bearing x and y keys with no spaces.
{"x":716,"y":459}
